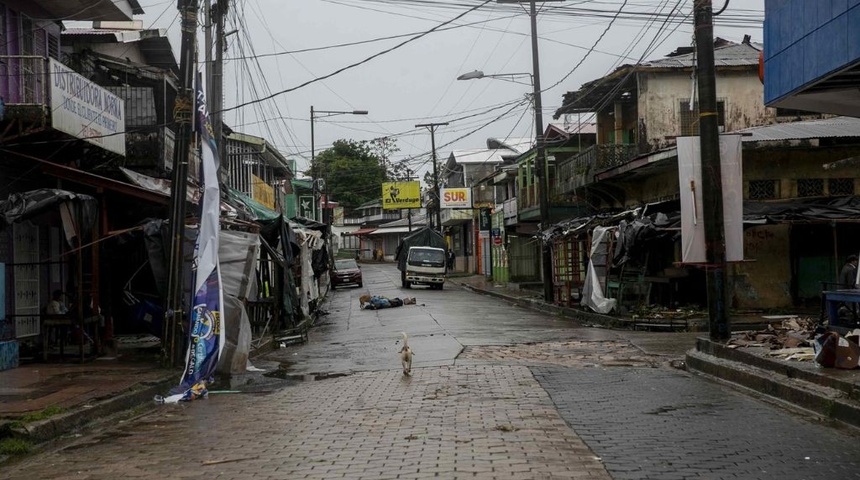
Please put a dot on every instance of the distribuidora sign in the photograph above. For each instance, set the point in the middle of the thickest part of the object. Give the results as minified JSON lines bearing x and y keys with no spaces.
{"x":456,"y":197}
{"x":85,"y":110}
{"x":397,"y":195}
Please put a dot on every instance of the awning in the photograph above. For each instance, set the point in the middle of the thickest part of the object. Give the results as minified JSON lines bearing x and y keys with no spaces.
{"x":405,"y":229}
{"x":86,"y":178}
{"x":362,"y":231}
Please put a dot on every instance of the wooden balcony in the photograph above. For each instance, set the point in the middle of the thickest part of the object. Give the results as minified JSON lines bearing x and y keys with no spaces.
{"x":578,"y":171}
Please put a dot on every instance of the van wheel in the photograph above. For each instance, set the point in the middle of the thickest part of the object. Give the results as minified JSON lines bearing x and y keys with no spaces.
{"x":440,"y":286}
{"x":408,"y":284}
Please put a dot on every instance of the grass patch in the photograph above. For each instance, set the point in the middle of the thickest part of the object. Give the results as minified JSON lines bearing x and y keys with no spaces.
{"x":14,"y":446}
{"x":43,"y":414}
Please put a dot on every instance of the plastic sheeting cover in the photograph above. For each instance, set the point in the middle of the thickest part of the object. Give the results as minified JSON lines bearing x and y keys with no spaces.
{"x":592,"y":291}
{"x":24,"y":205}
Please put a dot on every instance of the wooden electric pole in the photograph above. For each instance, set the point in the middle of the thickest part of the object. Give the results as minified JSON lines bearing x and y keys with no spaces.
{"x":183,"y":113}
{"x":432,"y":127}
{"x":712,"y":188}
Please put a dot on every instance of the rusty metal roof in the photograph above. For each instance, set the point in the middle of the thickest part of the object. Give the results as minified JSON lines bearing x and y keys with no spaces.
{"x":825,"y":128}
{"x":730,"y":55}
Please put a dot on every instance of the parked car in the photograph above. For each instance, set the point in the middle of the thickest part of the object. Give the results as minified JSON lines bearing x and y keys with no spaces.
{"x":346,"y":271}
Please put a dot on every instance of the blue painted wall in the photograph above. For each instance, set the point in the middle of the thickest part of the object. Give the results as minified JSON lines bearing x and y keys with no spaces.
{"x":805,"y":40}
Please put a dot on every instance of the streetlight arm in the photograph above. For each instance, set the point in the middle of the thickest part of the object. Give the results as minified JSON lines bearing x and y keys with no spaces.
{"x":508,"y":77}
{"x":331,"y":113}
{"x":316,"y":188}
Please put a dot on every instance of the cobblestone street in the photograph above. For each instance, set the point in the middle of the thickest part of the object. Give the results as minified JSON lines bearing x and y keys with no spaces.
{"x":496,"y":393}
{"x":454,"y":422}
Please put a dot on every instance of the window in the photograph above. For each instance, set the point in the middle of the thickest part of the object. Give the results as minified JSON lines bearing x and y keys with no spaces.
{"x":841,"y":186}
{"x":810,"y":187}
{"x":763,"y":189}
{"x":690,"y":118}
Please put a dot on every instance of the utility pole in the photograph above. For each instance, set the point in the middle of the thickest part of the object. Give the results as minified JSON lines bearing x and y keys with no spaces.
{"x":712,"y":200}
{"x":432,"y":127}
{"x":409,"y":210}
{"x":216,"y":92}
{"x":314,"y":169}
{"x":183,"y":113}
{"x":541,"y":169}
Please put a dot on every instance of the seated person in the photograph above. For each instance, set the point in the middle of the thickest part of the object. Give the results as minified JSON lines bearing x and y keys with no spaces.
{"x":56,"y":306}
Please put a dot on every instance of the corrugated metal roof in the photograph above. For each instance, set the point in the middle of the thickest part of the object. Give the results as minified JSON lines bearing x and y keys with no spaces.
{"x":517,"y":145}
{"x":826,"y":128}
{"x":574,"y":128}
{"x":478,"y":156}
{"x":732,"y":55}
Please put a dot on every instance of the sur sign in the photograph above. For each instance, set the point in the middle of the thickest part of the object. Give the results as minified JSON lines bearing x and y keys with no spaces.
{"x":456,"y":197}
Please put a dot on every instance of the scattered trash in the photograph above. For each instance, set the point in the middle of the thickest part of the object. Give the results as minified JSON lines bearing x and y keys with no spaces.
{"x":227,"y":460}
{"x":834,"y":350}
{"x":506,"y":428}
{"x":790,"y":337}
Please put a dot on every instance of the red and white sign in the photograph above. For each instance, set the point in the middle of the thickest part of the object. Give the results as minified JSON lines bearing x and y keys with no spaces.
{"x":456,"y":197}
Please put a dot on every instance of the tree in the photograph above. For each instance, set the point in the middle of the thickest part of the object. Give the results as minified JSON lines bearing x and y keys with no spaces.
{"x":352,"y":170}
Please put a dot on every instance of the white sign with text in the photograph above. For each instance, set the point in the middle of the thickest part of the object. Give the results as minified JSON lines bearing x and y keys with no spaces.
{"x":85,"y":110}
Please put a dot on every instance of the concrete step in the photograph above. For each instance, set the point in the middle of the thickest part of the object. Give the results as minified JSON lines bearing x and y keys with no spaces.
{"x":801,"y":387}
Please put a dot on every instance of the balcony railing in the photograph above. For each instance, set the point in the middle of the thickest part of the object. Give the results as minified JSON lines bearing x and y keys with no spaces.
{"x":24,"y":79}
{"x":579,"y":170}
{"x":509,"y":207}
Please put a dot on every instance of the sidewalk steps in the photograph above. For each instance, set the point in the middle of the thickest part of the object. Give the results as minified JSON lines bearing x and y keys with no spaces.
{"x":824,"y":395}
{"x":91,"y":413}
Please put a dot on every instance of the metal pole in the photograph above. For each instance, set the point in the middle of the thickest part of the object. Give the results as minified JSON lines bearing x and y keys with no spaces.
{"x":432,"y":127}
{"x":409,"y":210}
{"x":712,"y":200}
{"x":183,"y":114}
{"x":313,"y":166}
{"x":540,"y":163}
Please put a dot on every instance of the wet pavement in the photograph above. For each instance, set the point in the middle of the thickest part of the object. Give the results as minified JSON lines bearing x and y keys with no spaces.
{"x":498,"y":391}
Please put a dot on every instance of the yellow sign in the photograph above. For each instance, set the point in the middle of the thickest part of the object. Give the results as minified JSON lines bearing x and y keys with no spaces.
{"x":397,"y":195}
{"x":262,"y":193}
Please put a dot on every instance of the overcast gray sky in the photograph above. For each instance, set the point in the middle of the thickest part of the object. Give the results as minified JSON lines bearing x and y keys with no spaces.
{"x":282,"y":44}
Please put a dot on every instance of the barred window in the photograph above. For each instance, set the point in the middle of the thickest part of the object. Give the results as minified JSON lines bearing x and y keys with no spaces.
{"x":690,"y":118}
{"x":841,"y":186}
{"x":810,"y":187}
{"x":763,"y":189}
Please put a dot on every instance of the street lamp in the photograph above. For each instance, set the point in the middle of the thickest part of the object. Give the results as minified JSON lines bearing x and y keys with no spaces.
{"x":323,"y":114}
{"x":540,"y":159}
{"x":508,"y":77}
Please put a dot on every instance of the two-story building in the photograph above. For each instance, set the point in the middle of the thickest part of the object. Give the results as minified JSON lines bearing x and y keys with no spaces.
{"x":632,"y":175}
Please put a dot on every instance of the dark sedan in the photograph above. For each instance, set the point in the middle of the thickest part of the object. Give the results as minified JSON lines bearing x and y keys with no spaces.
{"x":345,"y":272}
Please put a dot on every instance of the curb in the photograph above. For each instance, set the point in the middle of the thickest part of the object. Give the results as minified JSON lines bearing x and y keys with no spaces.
{"x":826,"y":396}
{"x":584,"y":317}
{"x":82,"y":415}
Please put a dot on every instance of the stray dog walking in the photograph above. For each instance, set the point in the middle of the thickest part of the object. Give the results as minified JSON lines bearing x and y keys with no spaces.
{"x":406,"y":355}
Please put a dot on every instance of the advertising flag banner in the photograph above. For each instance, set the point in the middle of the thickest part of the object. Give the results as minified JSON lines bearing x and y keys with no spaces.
{"x":693,"y":248}
{"x":397,"y":195}
{"x":206,"y":330}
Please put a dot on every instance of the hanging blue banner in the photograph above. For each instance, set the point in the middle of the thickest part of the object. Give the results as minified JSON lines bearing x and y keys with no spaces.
{"x":206,"y":330}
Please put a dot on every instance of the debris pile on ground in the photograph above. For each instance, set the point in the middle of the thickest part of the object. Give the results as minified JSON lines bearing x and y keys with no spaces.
{"x":790,"y":338}
{"x":659,"y":312}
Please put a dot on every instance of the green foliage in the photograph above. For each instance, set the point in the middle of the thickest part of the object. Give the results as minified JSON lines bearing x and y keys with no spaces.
{"x":43,"y":414}
{"x":353,"y":171}
{"x":14,"y":446}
